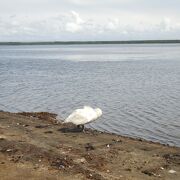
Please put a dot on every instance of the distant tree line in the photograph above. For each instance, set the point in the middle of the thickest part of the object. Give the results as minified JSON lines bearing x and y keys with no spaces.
{"x":91,"y":42}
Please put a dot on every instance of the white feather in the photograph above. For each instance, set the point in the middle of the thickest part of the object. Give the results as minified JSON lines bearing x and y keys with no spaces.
{"x":83,"y":116}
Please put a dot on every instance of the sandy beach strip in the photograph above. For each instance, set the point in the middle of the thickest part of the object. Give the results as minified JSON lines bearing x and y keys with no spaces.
{"x":35,"y":146}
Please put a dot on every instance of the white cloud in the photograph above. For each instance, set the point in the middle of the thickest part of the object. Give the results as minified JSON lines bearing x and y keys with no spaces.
{"x":166,"y":24}
{"x":75,"y":24}
{"x":89,"y":19}
{"x":76,"y":17}
{"x":113,"y":24}
{"x":73,"y":27}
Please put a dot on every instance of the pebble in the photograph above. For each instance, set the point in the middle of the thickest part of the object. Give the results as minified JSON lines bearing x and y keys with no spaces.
{"x":2,"y":137}
{"x":61,"y":167}
{"x":116,"y":140}
{"x":8,"y":150}
{"x":81,"y":160}
{"x":108,"y":146}
{"x":172,"y":171}
{"x":25,"y":125}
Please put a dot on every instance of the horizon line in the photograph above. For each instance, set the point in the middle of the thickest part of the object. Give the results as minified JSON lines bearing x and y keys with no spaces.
{"x":88,"y":42}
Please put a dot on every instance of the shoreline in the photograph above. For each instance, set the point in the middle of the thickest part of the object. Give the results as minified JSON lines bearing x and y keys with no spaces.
{"x":34,"y":145}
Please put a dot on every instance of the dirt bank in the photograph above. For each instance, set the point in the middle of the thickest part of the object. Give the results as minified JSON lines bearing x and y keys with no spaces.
{"x":34,"y":146}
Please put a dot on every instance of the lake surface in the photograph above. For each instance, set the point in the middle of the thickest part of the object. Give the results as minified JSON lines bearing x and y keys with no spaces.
{"x":136,"y":86}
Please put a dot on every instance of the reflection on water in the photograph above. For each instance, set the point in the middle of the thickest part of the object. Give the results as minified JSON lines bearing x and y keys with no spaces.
{"x":137,"y":86}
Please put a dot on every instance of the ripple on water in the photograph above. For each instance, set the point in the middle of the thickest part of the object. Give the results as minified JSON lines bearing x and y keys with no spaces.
{"x":135,"y":86}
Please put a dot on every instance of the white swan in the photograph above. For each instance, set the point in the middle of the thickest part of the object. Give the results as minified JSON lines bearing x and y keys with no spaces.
{"x":83,"y":116}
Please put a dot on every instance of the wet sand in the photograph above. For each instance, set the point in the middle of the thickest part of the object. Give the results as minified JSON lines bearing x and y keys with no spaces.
{"x":35,"y":146}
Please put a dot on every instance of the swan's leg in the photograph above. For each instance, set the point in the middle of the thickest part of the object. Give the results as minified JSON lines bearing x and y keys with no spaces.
{"x":83,"y":128}
{"x":79,"y":127}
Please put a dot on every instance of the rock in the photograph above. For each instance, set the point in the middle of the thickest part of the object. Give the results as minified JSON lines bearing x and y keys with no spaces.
{"x":25,"y":125}
{"x":172,"y":171}
{"x":89,"y":147}
{"x":61,"y":167}
{"x":41,"y":126}
{"x":81,"y":160}
{"x":117,"y":140}
{"x":148,"y":172}
{"x":48,"y":132}
{"x":2,"y":137}
{"x":9,"y":150}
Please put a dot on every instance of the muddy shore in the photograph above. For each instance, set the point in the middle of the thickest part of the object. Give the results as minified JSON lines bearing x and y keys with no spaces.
{"x":35,"y":146}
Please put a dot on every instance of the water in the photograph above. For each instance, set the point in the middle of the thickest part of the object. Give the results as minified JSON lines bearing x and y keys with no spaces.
{"x":136,"y":86}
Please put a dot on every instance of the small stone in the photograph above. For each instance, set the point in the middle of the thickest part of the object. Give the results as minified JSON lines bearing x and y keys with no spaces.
{"x":2,"y":137}
{"x":108,"y":171}
{"x":161,"y":168}
{"x":89,"y":147}
{"x":36,"y":166}
{"x":116,"y":140}
{"x":128,"y":169}
{"x":172,"y":171}
{"x":39,"y":160}
{"x":61,"y":167}
{"x":25,"y":125}
{"x":8,"y":150}
{"x":107,"y":145}
{"x":81,"y":160}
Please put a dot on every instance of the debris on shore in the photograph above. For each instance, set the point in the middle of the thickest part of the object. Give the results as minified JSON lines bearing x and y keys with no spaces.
{"x":35,"y":146}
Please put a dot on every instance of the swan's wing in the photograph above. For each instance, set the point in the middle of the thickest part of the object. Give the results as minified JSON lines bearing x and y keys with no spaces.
{"x":82,"y":116}
{"x":76,"y":118}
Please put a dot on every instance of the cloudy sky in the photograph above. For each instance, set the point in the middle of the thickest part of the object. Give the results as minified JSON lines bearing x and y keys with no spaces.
{"x":64,"y":20}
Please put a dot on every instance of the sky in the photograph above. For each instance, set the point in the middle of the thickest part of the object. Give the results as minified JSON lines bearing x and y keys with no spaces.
{"x":82,"y":20}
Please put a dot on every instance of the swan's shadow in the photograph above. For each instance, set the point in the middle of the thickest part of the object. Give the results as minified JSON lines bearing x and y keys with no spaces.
{"x":70,"y":130}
